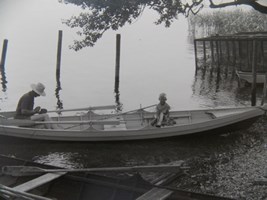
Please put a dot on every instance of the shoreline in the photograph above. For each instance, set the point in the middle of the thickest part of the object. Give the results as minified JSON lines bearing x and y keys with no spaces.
{"x":231,"y":173}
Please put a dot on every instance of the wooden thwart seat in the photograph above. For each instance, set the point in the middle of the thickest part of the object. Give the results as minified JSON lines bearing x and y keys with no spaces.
{"x":34,"y":183}
{"x":38,"y":181}
{"x":22,"y":190}
{"x":157,"y":193}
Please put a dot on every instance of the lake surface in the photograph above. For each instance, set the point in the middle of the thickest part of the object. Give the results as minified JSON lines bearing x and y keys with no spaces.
{"x":154,"y":59}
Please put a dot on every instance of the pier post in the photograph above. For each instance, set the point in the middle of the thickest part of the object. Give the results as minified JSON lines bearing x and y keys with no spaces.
{"x":195,"y":48}
{"x":117,"y":65}
{"x":3,"y":57}
{"x":254,"y":72}
{"x":234,"y":52}
{"x":204,"y":52}
{"x":265,"y":81}
{"x":212,"y":53}
{"x":234,"y":58}
{"x":218,"y":60}
{"x":228,"y":57}
{"x":59,"y":48}
{"x":58,"y":64}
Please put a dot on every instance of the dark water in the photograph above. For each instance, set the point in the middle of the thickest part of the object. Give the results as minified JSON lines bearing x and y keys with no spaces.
{"x":129,"y":153}
{"x":154,"y":59}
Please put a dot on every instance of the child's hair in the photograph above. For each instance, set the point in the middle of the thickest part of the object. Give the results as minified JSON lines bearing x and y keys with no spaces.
{"x":162,"y":96}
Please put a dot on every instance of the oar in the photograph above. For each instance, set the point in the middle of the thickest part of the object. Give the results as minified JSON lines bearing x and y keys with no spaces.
{"x":8,"y":114}
{"x":107,"y":107}
{"x":30,"y":170}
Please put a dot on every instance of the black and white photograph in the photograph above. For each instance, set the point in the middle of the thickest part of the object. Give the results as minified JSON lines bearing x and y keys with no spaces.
{"x":133,"y":99}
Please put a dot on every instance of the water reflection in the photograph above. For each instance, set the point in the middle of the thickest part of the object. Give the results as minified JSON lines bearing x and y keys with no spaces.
{"x":100,"y":16}
{"x":3,"y":79}
{"x":221,"y":89}
{"x":59,"y":159}
{"x":119,"y":105}
{"x":58,"y":88}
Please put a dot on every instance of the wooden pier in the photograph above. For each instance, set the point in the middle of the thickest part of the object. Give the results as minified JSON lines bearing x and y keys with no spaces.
{"x":246,"y":52}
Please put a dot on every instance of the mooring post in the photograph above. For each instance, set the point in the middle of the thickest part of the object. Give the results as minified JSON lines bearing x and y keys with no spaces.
{"x":254,"y":72}
{"x":3,"y":57}
{"x":59,"y":48}
{"x":217,"y":54}
{"x":265,"y":80}
{"x":234,"y":58}
{"x":204,"y":53}
{"x":195,"y":48}
{"x":212,"y":53}
{"x":234,"y":53}
{"x":228,"y":57}
{"x":248,"y":55}
{"x":218,"y":61}
{"x":117,"y":67}
{"x":58,"y":64}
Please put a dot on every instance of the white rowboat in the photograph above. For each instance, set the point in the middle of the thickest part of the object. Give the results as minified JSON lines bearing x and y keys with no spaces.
{"x":134,"y":125}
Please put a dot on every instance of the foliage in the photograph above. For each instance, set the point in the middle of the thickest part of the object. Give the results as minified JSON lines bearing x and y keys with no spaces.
{"x":227,"y":22}
{"x":101,"y":15}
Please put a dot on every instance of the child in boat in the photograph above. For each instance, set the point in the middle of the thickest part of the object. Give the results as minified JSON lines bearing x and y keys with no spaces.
{"x":162,"y":111}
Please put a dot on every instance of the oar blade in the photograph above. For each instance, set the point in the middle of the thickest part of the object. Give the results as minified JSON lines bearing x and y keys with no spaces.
{"x":157,"y":168}
{"x":22,"y":170}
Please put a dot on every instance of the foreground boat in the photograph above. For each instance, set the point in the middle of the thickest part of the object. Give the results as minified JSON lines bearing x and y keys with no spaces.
{"x":135,"y":125}
{"x":84,"y":186}
{"x":248,"y":77}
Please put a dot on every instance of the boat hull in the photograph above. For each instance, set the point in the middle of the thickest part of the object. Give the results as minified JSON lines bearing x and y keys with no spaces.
{"x":187,"y":123}
{"x":248,"y":77}
{"x":93,"y":186}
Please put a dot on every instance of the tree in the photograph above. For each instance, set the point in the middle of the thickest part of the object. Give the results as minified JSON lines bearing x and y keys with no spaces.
{"x":101,"y":15}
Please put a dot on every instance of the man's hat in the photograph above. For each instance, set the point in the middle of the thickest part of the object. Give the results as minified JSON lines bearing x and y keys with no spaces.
{"x":38,"y":88}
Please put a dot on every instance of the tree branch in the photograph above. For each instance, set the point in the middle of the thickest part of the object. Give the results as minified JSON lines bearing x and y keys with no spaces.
{"x":253,"y":3}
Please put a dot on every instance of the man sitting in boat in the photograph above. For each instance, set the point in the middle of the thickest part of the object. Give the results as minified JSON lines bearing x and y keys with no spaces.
{"x":162,"y":111}
{"x":26,"y":104}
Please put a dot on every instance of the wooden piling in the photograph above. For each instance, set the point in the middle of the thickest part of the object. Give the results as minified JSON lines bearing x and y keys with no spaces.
{"x":265,"y":81}
{"x":59,"y":48}
{"x":254,"y":72}
{"x":234,"y":52}
{"x":58,"y":65}
{"x":217,"y":54}
{"x":218,"y":69}
{"x":204,"y":54}
{"x":117,"y":65}
{"x":195,"y":48}
{"x":212,"y":53}
{"x":234,"y":58}
{"x":249,"y":55}
{"x":4,"y":52}
{"x":228,"y":57}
